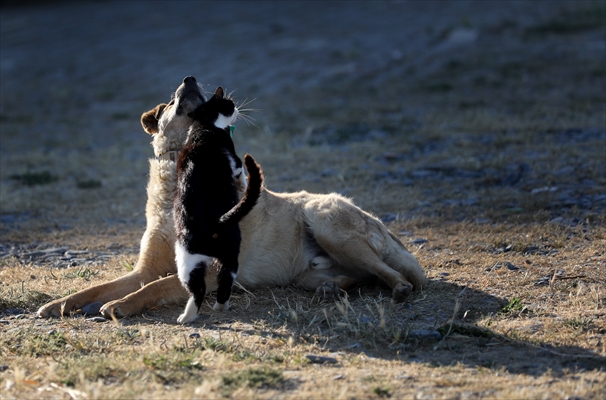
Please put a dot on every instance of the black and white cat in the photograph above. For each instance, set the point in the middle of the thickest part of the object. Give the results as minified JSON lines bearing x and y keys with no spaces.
{"x":206,"y":210}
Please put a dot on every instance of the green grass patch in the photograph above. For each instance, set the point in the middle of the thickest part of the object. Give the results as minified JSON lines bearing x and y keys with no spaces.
{"x":514,"y":304}
{"x":253,"y":378}
{"x":82,"y":273}
{"x":22,"y":299}
{"x":35,"y":178}
{"x":382,"y":391}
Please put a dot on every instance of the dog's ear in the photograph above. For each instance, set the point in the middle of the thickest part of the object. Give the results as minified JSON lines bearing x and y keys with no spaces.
{"x":219,"y":92}
{"x":149,"y":119}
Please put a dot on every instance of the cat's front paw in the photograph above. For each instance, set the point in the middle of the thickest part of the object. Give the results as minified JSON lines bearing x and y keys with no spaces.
{"x":221,"y":307}
{"x":186,"y":318}
{"x":190,"y":313}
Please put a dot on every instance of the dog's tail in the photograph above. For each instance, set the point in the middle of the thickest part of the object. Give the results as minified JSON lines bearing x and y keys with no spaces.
{"x":255,"y":182}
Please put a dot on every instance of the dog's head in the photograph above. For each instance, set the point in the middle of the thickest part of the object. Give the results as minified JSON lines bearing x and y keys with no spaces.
{"x":169,"y":123}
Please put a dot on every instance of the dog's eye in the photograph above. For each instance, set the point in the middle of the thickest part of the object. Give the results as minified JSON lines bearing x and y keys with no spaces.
{"x":179,"y":110}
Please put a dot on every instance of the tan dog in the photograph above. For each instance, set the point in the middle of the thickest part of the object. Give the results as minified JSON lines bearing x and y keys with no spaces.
{"x":321,"y":242}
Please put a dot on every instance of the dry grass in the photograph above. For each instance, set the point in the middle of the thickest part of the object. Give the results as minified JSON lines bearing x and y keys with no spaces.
{"x":499,"y":326}
{"x":493,"y":152}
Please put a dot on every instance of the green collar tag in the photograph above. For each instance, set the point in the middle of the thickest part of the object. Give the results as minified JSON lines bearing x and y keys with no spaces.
{"x":232,"y":128}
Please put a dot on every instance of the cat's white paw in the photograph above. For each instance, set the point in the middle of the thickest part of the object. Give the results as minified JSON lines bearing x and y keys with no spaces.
{"x":221,"y":307}
{"x":184,"y":319}
{"x":190,"y":313}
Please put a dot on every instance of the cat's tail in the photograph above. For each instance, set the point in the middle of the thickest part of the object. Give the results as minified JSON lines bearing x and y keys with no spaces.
{"x":255,"y":182}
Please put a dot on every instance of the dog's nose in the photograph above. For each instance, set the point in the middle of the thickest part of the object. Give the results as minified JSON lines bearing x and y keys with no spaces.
{"x":188,"y":79}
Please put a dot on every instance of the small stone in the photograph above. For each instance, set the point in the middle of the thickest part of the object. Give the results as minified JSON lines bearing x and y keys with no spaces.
{"x":33,"y":254}
{"x":194,"y":335}
{"x":96,"y":319}
{"x":511,"y":267}
{"x":338,"y":377}
{"x":13,"y":311}
{"x":564,"y":171}
{"x":391,"y":156}
{"x":531,"y":249}
{"x":4,"y":321}
{"x":320,"y":359}
{"x":418,"y":241}
{"x":92,"y":308}
{"x":471,"y":201}
{"x":3,"y":368}
{"x":426,"y":334}
{"x":73,"y":253}
{"x":421,"y":173}
{"x":543,"y":189}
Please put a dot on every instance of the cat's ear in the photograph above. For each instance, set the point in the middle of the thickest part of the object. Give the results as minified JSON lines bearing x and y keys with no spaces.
{"x":219,"y":92}
{"x":150,"y":119}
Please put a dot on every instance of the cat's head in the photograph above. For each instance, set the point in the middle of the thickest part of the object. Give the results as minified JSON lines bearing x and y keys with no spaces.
{"x":219,"y":111}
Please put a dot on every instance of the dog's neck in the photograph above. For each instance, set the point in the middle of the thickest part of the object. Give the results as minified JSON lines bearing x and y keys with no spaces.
{"x":167,"y":148}
{"x":168,"y":156}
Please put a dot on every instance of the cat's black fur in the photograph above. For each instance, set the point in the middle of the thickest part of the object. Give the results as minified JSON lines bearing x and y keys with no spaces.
{"x":206,"y":208}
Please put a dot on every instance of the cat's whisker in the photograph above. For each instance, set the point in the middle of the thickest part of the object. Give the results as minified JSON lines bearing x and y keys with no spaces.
{"x":249,"y":122}
{"x":246,"y":102}
{"x":248,"y":119}
{"x":249,"y":109}
{"x":243,"y":114}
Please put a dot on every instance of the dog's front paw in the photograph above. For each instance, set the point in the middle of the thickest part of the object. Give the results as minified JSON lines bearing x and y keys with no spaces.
{"x":328,"y":289}
{"x":57,"y":308}
{"x":401,"y":291}
{"x":117,"y":308}
{"x":49,"y":310}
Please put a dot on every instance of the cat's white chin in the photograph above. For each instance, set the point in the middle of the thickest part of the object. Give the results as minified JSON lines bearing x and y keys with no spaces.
{"x":226,"y":120}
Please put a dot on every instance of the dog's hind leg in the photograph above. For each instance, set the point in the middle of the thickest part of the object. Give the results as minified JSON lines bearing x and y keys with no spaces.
{"x":358,"y":241}
{"x":325,"y":282}
{"x":400,"y":259}
{"x":362,"y":257}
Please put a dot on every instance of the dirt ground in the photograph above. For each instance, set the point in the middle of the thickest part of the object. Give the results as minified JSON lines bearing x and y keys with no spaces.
{"x":475,"y":129}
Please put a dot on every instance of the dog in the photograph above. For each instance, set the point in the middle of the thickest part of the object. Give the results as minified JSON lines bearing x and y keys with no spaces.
{"x":320,"y":242}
